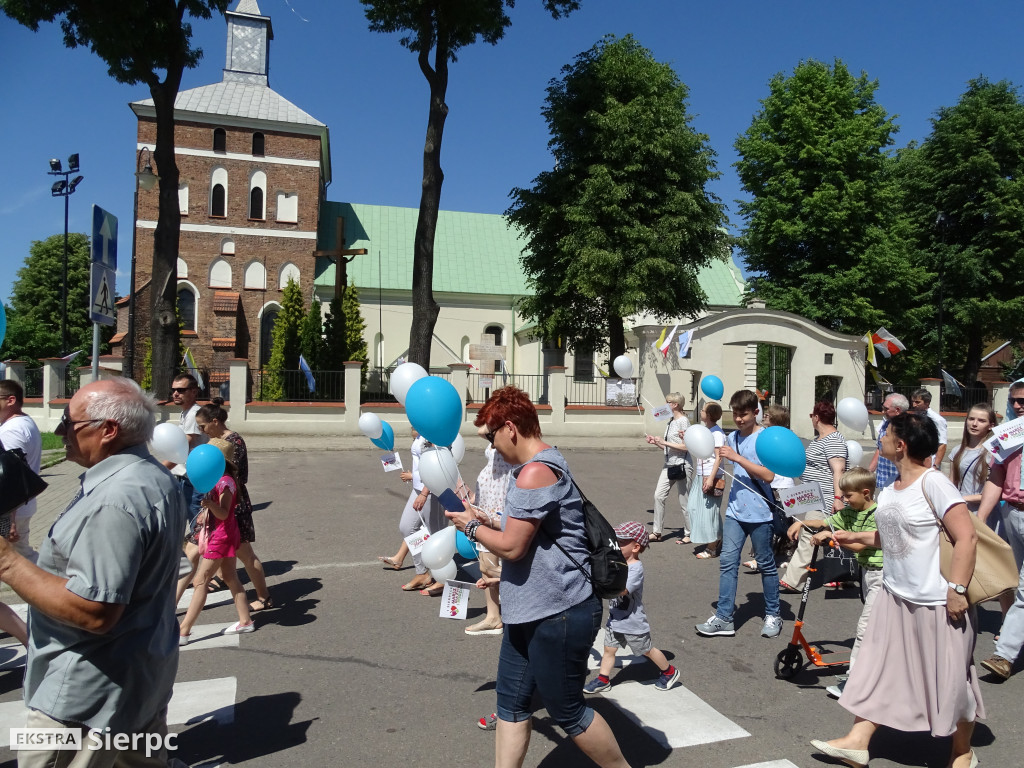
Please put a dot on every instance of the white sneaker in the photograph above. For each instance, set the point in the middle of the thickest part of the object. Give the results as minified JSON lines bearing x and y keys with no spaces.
{"x":772,"y":626}
{"x":238,"y":628}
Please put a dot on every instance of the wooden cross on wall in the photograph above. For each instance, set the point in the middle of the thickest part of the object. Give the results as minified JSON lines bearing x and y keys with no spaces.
{"x":339,"y":255}
{"x":486,"y":353}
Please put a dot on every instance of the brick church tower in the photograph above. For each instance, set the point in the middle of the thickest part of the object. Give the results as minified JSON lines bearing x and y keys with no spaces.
{"x":253,"y":171}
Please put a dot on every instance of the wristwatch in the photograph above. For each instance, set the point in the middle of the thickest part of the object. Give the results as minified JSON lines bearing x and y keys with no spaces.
{"x":960,"y":589}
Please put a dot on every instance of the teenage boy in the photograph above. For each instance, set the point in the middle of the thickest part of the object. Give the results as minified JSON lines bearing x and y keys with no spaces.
{"x":747,"y":515}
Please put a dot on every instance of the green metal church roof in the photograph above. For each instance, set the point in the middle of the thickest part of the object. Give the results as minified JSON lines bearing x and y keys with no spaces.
{"x":474,"y":253}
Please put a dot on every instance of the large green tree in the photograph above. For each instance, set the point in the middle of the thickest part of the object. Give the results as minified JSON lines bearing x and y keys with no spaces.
{"x":33,"y":316}
{"x":435,"y":30}
{"x":623,"y":222}
{"x":142,"y":41}
{"x":821,"y":237}
{"x":964,"y":194}
{"x":286,"y":346}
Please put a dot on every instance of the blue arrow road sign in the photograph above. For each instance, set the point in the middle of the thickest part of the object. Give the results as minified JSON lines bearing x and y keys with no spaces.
{"x":104,"y":238}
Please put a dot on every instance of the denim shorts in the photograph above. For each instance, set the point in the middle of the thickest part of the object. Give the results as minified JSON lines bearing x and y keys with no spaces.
{"x":549,"y":656}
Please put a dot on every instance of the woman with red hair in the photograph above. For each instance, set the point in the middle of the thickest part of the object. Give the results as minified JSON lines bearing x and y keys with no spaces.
{"x":548,"y":606}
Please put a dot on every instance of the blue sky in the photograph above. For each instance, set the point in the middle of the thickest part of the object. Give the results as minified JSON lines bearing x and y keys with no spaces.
{"x":368,"y":90}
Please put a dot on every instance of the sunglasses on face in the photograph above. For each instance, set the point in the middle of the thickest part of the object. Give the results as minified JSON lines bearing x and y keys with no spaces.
{"x":489,"y":436}
{"x":66,"y":422}
{"x":180,"y":390}
{"x":1017,"y":400}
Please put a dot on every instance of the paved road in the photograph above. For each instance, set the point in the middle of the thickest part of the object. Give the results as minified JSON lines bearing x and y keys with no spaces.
{"x":349,"y":670}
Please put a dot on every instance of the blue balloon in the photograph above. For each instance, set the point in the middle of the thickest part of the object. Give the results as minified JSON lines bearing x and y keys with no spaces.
{"x":781,"y":451}
{"x":713,"y":387}
{"x":465,"y":547}
{"x":434,"y":409}
{"x":386,"y":441}
{"x":205,"y":467}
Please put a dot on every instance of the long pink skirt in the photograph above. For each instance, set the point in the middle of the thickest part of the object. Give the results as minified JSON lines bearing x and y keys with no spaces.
{"x":915,"y":670}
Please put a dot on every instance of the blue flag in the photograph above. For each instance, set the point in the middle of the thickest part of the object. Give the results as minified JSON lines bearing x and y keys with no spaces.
{"x":304,"y":367}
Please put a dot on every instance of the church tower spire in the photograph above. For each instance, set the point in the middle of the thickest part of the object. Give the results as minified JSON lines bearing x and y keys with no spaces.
{"x":248,"y":48}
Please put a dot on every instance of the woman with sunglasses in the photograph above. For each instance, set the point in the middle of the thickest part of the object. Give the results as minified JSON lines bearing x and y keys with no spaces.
{"x":548,"y":607}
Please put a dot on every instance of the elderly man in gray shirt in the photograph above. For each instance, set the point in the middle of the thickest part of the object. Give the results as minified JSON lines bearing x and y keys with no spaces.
{"x":103,"y":638}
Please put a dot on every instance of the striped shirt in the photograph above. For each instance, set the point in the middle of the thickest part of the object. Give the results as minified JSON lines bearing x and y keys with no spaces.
{"x":819,"y":451}
{"x":849,"y":519}
{"x":885,"y":471}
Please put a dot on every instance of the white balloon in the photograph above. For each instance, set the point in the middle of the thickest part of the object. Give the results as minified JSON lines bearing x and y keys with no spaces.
{"x":699,"y":441}
{"x":370,"y":425}
{"x":169,"y":443}
{"x":854,"y":454}
{"x":760,"y":413}
{"x":445,"y":572}
{"x":459,"y":449}
{"x":623,"y":366}
{"x":438,"y":470}
{"x":439,"y":548}
{"x":853,"y":413}
{"x":403,"y":377}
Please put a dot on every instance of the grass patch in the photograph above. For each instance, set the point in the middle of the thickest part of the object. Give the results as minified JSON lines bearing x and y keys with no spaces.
{"x":51,"y":441}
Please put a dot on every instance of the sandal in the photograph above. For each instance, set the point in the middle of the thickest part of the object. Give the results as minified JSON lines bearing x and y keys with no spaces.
{"x":432,"y":591}
{"x":488,"y":722}
{"x":654,"y":536}
{"x":704,"y":555}
{"x":216,"y":584}
{"x":391,"y":563}
{"x":261,"y":604}
{"x":685,"y":540}
{"x":751,"y":565}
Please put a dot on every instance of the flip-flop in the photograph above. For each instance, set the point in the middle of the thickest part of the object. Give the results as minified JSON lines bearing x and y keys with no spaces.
{"x":410,"y":587}
{"x":435,"y":592}
{"x":390,"y":563}
{"x":703,"y":555}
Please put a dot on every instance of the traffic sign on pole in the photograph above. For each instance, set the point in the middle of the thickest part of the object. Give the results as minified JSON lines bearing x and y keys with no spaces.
{"x":103,"y":270}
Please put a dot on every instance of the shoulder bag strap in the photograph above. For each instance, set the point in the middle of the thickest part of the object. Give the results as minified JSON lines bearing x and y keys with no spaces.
{"x":540,"y":526}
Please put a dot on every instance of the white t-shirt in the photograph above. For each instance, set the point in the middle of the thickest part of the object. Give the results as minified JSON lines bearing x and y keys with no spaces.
{"x":416,"y":450}
{"x":910,"y":537}
{"x":21,"y":432}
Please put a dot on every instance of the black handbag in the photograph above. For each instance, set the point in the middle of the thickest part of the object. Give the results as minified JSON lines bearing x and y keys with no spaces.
{"x":675,"y":472}
{"x":18,"y":483}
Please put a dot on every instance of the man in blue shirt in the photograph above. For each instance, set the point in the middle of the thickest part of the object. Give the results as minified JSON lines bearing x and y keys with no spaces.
{"x":885,"y":471}
{"x":103,"y":638}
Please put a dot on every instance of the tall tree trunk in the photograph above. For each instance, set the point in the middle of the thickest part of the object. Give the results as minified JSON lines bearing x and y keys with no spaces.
{"x":424,"y":309}
{"x":973,"y":363}
{"x":616,"y":336}
{"x":164,"y":285}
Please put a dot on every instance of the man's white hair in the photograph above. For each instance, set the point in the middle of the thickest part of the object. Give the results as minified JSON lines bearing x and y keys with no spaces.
{"x":123,"y":401}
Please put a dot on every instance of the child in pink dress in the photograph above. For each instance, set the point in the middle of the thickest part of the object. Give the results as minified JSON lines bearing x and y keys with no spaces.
{"x":222,"y":539}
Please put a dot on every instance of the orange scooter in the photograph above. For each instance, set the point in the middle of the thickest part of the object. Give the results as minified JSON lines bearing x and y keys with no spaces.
{"x":790,"y":660}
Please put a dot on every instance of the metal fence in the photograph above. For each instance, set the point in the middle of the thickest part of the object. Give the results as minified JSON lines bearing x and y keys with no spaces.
{"x":33,"y":382}
{"x":293,"y":386}
{"x":69,"y":383}
{"x":534,"y":385}
{"x":596,"y":392}
{"x":950,"y":401}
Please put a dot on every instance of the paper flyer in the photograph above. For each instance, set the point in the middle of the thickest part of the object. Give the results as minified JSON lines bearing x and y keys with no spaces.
{"x":455,"y":599}
{"x":391,"y":461}
{"x":801,"y":499}
{"x":1011,"y":434}
{"x":996,"y":451}
{"x":662,"y":412}
{"x":415,"y":540}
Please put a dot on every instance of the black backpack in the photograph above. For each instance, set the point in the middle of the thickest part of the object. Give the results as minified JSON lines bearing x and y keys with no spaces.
{"x":608,"y":569}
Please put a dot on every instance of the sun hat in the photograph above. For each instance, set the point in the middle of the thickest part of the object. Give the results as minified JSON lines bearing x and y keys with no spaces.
{"x":228,"y":449}
{"x":632,"y":531}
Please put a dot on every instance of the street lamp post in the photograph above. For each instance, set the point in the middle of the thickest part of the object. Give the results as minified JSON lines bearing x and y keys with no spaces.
{"x":145,"y":179}
{"x":64,"y":188}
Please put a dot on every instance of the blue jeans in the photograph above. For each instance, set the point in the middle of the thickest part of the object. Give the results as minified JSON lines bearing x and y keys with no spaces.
{"x":734,"y":536}
{"x":549,"y":656}
{"x":193,"y":499}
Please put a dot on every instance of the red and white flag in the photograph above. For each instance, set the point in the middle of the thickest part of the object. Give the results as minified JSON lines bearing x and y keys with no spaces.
{"x":886,"y":343}
{"x":668,"y":341}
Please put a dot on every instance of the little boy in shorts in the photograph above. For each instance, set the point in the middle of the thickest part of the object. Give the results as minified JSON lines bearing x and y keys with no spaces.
{"x":858,"y":487}
{"x":627,"y":625}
